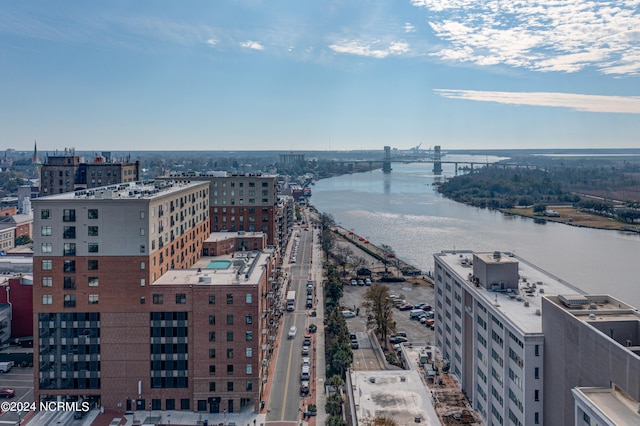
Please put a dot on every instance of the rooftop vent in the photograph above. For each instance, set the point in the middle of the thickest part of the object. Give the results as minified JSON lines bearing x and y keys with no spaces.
{"x":573,"y":301}
{"x":538,"y":312}
{"x":592,"y":317}
{"x":526,"y":304}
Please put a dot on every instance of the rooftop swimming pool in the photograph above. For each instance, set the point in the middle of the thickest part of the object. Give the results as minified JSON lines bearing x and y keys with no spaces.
{"x":218,"y":264}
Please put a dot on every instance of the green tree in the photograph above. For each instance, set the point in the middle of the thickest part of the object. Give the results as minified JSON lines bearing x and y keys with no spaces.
{"x":23,"y":239}
{"x":539,"y":208}
{"x":335,"y":380}
{"x":334,"y":404}
{"x":335,"y":421}
{"x":379,"y":309}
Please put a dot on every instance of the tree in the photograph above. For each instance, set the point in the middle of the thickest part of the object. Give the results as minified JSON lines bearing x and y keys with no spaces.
{"x":335,"y":380}
{"x":334,"y":404}
{"x":379,"y":310}
{"x":335,"y":421}
{"x":539,"y":208}
{"x":23,"y":239}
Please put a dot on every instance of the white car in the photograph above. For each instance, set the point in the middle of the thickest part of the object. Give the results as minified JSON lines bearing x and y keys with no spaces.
{"x":292,"y":332}
{"x":348,"y":314}
{"x":306,"y":361}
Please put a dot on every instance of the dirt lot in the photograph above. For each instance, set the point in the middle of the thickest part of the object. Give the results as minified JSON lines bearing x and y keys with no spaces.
{"x":571,"y":216}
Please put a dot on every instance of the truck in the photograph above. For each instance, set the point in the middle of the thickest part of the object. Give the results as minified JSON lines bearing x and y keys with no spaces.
{"x":291,"y":300}
{"x":5,"y":366}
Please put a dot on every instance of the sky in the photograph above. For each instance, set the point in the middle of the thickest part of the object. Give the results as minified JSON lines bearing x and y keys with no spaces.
{"x":319,"y":75}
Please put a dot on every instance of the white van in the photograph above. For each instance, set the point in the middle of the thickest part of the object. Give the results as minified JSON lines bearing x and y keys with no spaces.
{"x":5,"y":366}
{"x":415,"y":313}
{"x":306,"y":373}
{"x":292,"y":332}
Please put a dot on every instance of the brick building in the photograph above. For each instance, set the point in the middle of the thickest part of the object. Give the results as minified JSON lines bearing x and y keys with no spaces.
{"x":17,"y":291}
{"x":240,"y":202}
{"x":69,"y":172}
{"x":129,"y":314}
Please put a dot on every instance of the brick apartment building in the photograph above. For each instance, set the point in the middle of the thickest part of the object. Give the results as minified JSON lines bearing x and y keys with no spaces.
{"x":240,"y":202}
{"x":69,"y":172}
{"x":129,"y":314}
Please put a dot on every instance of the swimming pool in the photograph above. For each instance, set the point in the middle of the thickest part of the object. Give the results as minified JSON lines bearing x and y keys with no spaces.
{"x":219,"y":264}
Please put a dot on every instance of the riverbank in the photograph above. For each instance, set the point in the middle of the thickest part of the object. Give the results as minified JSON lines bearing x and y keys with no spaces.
{"x":571,"y":216}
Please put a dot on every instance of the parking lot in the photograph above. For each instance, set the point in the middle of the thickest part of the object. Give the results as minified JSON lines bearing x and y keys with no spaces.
{"x":21,"y":381}
{"x":416,"y":332}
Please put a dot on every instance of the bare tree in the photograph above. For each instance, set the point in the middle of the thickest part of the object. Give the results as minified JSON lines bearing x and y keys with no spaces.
{"x":379,"y":309}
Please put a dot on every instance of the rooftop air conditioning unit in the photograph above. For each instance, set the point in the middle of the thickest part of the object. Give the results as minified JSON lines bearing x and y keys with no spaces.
{"x":628,"y":343}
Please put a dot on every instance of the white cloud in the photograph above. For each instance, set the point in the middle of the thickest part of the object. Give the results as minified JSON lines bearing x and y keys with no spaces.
{"x":373,"y":49}
{"x":540,"y":35}
{"x":409,"y":27}
{"x":577,"y":102}
{"x":212,"y":42}
{"x":252,"y":45}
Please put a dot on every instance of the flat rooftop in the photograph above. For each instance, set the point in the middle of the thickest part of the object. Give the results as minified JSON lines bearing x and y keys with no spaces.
{"x":148,"y":189}
{"x":612,"y":403}
{"x":241,"y":268}
{"x":223,"y":235}
{"x":522,"y":307}
{"x":398,"y":394}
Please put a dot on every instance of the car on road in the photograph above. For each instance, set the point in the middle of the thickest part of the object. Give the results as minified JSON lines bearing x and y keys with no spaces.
{"x":306,"y":341}
{"x":309,"y":303}
{"x":353,"y":336}
{"x":292,"y":332}
{"x":355,"y":344}
{"x":348,"y":314}
{"x":304,"y":388}
{"x":397,"y":339}
{"x":7,"y":393}
{"x":306,"y":361}
{"x":306,"y":373}
{"x":305,"y":351}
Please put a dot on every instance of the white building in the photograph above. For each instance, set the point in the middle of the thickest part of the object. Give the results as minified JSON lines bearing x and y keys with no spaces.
{"x":489,"y":326}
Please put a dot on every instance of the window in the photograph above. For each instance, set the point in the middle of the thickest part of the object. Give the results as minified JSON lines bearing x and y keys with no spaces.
{"x":45,"y":214}
{"x":47,"y":281}
{"x":229,"y":319}
{"x":47,"y":299}
{"x":69,"y":266}
{"x":536,"y":372}
{"x":92,"y":247}
{"x":93,"y":299}
{"x":158,"y":299}
{"x":181,"y":298}
{"x":230,"y":384}
{"x":47,"y":248}
{"x":143,"y":266}
{"x":212,"y":299}
{"x":248,"y":319}
{"x":142,"y":232}
{"x":92,"y":231}
{"x":69,"y":215}
{"x":212,"y":319}
{"x":185,"y":404}
{"x":249,"y":385}
{"x":92,"y":265}
{"x":143,"y":300}
{"x":212,"y":386}
{"x":143,"y":248}
{"x":212,"y":336}
{"x":536,"y":418}
{"x":69,"y":232}
{"x":69,"y":283}
{"x":230,"y":355}
{"x":248,"y":298}
{"x":47,"y":265}
{"x":92,"y":214}
{"x":249,"y":353}
{"x":142,"y":282}
{"x":69,"y":249}
{"x":229,"y":336}
{"x":248,"y":369}
{"x":248,"y":336}
{"x":69,"y":300}
{"x":212,"y":370}
{"x":229,"y":299}
{"x":536,"y":350}
{"x":536,"y":395}
{"x":93,"y":281}
{"x":45,"y":231}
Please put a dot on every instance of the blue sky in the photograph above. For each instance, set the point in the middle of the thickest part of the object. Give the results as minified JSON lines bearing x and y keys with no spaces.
{"x":319,"y":75}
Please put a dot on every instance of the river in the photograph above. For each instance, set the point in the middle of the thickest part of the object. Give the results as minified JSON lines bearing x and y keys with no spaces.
{"x":403,"y":210}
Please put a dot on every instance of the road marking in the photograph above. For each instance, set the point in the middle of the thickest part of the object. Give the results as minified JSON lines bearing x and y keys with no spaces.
{"x":286,"y":380}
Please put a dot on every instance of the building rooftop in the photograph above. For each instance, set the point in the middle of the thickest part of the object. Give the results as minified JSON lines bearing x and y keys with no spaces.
{"x":239,"y":268}
{"x":217,"y":174}
{"x":612,"y":403}
{"x":224,"y":235}
{"x":398,"y":394}
{"x":523,"y":306}
{"x":148,"y":189}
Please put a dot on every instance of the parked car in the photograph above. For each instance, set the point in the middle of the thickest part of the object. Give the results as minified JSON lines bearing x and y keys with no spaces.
{"x":306,"y":341}
{"x":361,"y":283}
{"x":397,"y":339}
{"x":426,"y":308}
{"x":7,"y":393}
{"x":304,"y":387}
{"x":305,"y":351}
{"x":354,"y":282}
{"x":419,"y":305}
{"x":292,"y":332}
{"x":309,"y":303}
{"x":353,"y":336}
{"x":354,"y":344}
{"x":367,"y":282}
{"x":306,"y":373}
{"x":406,"y":307}
{"x":348,"y":314}
{"x":306,"y":360}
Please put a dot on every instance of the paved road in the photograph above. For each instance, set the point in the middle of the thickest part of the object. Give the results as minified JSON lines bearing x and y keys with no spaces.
{"x":284,"y":401}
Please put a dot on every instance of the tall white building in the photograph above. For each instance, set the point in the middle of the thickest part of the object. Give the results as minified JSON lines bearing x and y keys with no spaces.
{"x":489,"y":327}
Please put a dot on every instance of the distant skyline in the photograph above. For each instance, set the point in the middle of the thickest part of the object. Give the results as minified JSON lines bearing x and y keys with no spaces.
{"x":329,"y":75}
